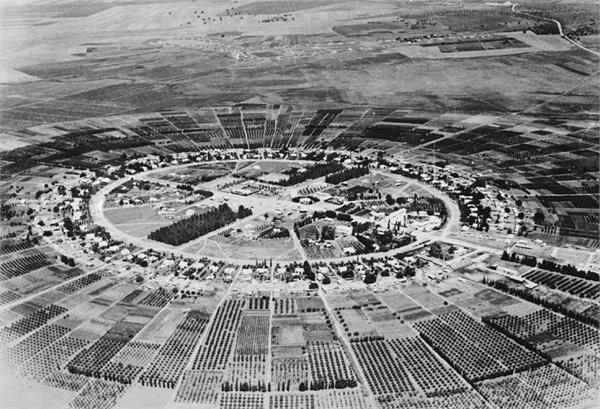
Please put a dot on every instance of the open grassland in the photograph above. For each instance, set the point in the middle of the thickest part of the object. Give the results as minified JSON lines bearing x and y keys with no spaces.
{"x":260,"y":249}
{"x":465,"y":84}
{"x":134,"y":214}
{"x":129,"y":57}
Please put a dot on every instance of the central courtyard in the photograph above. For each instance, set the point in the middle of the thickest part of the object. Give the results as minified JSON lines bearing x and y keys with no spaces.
{"x":244,"y":211}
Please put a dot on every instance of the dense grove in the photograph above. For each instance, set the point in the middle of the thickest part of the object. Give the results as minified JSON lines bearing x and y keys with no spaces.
{"x":311,"y":172}
{"x":198,"y":225}
{"x":346,"y":174}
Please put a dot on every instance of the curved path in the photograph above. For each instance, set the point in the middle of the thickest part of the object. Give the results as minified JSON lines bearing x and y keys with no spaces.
{"x":261,"y":205}
{"x":559,"y":27}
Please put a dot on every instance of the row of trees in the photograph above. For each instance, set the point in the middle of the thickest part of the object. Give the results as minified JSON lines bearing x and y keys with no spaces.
{"x":332,"y":214}
{"x":346,"y":174}
{"x":312,"y":172}
{"x":566,"y":269}
{"x":320,"y":384}
{"x":70,"y":261}
{"x":556,"y":306}
{"x":198,"y":225}
{"x":530,"y":261}
{"x":261,"y":386}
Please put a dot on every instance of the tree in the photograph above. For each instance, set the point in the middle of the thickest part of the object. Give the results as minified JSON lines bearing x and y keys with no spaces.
{"x":538,"y":217}
{"x":328,"y":232}
{"x":313,"y":286}
{"x":346,"y":174}
{"x":435,"y":250}
{"x":243,"y":212}
{"x":344,"y":217}
{"x":326,"y":280}
{"x":523,"y":231}
{"x":370,"y":278}
{"x":308,"y":273}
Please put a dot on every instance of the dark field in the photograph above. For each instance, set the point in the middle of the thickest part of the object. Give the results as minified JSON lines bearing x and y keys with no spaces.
{"x":475,"y":84}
